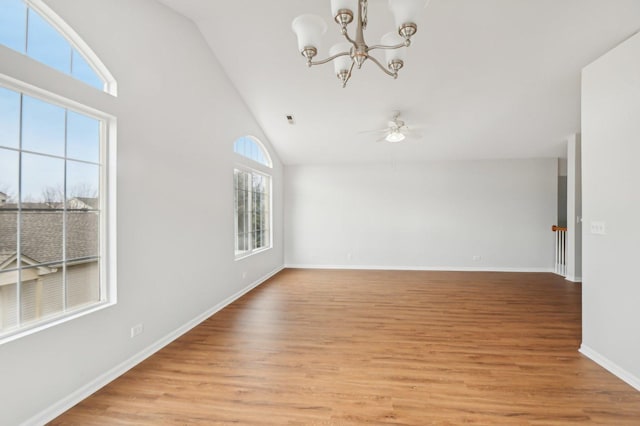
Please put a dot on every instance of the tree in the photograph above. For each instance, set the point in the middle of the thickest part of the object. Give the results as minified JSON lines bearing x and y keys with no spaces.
{"x":53,"y":196}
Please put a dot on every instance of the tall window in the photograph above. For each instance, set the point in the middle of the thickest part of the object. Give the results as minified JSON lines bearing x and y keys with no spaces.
{"x":252,"y":197}
{"x":56,"y":227}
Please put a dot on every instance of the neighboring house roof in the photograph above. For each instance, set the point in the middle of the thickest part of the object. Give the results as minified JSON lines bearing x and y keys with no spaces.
{"x":84,"y":203}
{"x":6,"y":257}
{"x":42,"y":234}
{"x":9,"y":263}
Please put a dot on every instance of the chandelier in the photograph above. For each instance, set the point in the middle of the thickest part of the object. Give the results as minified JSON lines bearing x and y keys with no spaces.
{"x":355,"y":51}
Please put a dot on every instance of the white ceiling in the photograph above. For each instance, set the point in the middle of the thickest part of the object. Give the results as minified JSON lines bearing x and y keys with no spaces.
{"x":486,"y":78}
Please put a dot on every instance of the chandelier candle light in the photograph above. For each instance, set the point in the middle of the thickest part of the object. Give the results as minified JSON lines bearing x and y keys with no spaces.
{"x":345,"y":55}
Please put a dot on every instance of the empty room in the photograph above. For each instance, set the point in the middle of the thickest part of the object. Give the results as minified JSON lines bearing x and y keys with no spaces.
{"x":319,"y":212}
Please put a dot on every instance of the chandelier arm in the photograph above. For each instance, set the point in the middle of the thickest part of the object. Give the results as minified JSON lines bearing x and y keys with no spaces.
{"x":329,"y":59}
{"x":349,"y":39}
{"x":392,"y":74}
{"x":382,"y":46}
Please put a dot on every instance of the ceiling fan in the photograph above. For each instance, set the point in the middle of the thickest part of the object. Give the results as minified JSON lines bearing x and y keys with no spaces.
{"x":396,"y":130}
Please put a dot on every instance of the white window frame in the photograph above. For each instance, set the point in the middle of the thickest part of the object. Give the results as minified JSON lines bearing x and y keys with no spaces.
{"x":247,"y":165}
{"x":108,"y":154}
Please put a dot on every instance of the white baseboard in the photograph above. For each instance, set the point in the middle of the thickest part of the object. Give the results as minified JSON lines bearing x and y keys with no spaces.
{"x":573,"y":279}
{"x":422,"y":268}
{"x":99,"y":382}
{"x":611,"y":366}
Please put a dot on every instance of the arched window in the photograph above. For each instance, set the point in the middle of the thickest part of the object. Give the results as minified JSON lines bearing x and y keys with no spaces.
{"x":31,"y":28}
{"x":251,"y":148}
{"x":252,"y":197}
{"x":57,"y":224}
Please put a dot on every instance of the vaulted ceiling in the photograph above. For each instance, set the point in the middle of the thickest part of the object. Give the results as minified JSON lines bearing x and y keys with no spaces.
{"x":482,"y":79}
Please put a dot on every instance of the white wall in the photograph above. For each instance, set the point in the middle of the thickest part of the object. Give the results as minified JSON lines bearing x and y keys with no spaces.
{"x":178,"y":116}
{"x":426,"y":215}
{"x":610,"y":178}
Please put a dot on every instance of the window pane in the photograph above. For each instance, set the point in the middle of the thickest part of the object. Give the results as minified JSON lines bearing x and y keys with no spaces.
{"x":8,"y":302}
{"x":245,"y":241}
{"x":46,"y":45}
{"x":8,"y":239}
{"x":83,"y":221}
{"x":13,"y":24}
{"x":51,"y":293}
{"x":242,"y":177}
{"x":42,"y":126}
{"x":255,"y":182}
{"x":8,"y":213}
{"x":267,"y":238}
{"x":42,"y":181}
{"x":81,"y":70}
{"x":253,"y":152}
{"x":41,"y":293}
{"x":83,"y":181}
{"x":41,"y":230}
{"x":41,"y":237}
{"x":248,"y":147}
{"x":82,"y":234}
{"x":83,"y":284}
{"x":8,"y":178}
{"x":83,"y":137}
{"x":9,"y":117}
{"x":240,"y":210}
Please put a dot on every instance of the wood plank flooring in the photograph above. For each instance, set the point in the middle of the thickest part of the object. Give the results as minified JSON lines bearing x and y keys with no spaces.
{"x":317,"y":347}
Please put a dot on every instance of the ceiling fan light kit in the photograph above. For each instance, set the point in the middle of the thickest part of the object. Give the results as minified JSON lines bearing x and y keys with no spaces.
{"x":355,"y":51}
{"x":394,"y":137}
{"x":396,"y":128}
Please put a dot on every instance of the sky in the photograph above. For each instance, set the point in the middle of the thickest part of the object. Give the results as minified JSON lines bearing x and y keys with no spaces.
{"x":55,"y":137}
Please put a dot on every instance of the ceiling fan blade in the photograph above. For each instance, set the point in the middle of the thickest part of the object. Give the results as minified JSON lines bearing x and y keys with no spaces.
{"x":373,"y":131}
{"x":382,"y":139}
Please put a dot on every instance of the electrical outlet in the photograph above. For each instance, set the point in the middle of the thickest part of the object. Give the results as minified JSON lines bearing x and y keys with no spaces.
{"x":136,"y":330}
{"x":477,"y":258}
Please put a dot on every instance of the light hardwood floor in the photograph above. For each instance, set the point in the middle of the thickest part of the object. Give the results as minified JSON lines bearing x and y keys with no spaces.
{"x":314,"y":347}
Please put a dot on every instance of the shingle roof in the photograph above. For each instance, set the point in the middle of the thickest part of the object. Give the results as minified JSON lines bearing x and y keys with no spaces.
{"x":41,"y":234}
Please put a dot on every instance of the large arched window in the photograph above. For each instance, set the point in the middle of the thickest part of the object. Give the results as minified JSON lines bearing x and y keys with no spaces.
{"x":32,"y":28}
{"x":252,"y":197}
{"x":57,"y":225}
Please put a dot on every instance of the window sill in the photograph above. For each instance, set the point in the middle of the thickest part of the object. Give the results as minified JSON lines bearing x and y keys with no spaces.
{"x":246,"y":255}
{"x":26,"y":331}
